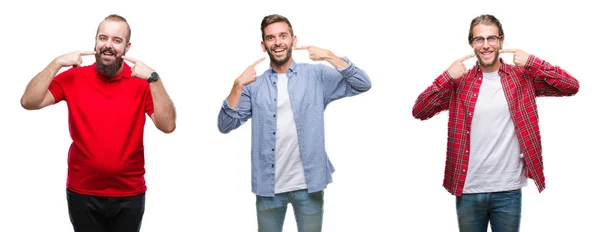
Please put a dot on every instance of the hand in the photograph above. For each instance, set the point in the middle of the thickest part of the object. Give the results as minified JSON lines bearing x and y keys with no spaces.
{"x":73,"y":58}
{"x":519,"y":58}
{"x":249,"y":75}
{"x":316,"y":53}
{"x":139,"y":69}
{"x":458,"y":69}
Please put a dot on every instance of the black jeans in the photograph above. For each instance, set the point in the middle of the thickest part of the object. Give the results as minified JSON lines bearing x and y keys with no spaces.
{"x":105,"y":214}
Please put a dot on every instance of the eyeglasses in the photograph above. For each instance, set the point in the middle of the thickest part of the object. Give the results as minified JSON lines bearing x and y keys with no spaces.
{"x":492,"y":40}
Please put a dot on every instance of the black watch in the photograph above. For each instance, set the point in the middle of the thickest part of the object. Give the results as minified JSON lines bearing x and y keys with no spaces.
{"x":153,"y":77}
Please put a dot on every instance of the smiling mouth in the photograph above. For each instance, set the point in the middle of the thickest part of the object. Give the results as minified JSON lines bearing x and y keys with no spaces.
{"x":279,"y":51}
{"x":487,"y":54}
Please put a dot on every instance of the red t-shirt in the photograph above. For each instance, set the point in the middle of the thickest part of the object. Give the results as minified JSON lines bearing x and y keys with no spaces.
{"x":106,"y":123}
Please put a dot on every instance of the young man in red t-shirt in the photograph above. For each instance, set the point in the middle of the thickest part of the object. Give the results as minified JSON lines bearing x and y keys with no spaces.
{"x":108,"y":102}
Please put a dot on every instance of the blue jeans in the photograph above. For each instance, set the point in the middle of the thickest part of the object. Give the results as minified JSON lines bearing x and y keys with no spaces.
{"x":308,"y":209}
{"x":500,"y":209}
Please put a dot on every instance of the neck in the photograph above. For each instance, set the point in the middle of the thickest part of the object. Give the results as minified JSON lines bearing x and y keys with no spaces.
{"x":493,"y":68}
{"x":282,"y":68}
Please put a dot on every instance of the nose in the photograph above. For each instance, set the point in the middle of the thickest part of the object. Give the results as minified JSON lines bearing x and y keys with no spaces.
{"x":485,"y":44}
{"x":107,"y":44}
{"x":278,"y":41}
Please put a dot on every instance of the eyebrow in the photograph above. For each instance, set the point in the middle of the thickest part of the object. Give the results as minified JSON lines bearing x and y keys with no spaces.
{"x":486,"y":37}
{"x":109,"y":36}
{"x":272,"y":35}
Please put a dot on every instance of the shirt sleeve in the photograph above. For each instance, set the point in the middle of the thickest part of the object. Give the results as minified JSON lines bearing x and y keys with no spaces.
{"x":344,"y":82}
{"x":230,"y":119}
{"x":60,"y":85}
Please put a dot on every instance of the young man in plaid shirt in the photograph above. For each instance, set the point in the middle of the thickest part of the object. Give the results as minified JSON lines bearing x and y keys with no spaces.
{"x":494,"y":143}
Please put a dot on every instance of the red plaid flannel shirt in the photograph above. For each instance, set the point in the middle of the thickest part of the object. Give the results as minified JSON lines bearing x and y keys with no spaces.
{"x":521,"y":86}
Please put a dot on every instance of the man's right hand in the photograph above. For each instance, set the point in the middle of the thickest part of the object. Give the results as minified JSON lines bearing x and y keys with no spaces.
{"x":458,"y":69}
{"x":249,"y":75}
{"x":73,"y":58}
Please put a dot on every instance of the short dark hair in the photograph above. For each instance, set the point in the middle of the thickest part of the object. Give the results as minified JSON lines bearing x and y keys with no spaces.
{"x":485,"y":19}
{"x":117,"y":18}
{"x":274,"y":18}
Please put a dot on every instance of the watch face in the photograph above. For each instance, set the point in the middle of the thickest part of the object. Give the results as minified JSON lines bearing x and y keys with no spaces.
{"x":153,"y":77}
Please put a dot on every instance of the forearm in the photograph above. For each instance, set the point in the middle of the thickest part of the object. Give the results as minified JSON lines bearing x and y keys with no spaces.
{"x":435,"y":98}
{"x":38,"y":86}
{"x":235,"y":110}
{"x":164,"y":110}
{"x":234,"y":96}
{"x":336,"y":61}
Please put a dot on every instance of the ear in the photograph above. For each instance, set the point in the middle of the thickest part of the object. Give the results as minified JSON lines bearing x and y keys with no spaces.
{"x":294,"y":40}
{"x":127,"y":46}
{"x":262,"y":45}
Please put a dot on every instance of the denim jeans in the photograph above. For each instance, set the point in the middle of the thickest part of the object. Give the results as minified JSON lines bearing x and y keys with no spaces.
{"x":502,"y":210}
{"x":105,"y":214}
{"x":308,"y":209}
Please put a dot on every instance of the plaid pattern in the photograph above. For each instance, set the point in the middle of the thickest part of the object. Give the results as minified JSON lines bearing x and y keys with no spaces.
{"x":521,"y":86}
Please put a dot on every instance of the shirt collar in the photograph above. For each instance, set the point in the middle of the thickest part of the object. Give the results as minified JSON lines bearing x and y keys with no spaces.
{"x":291,"y":69}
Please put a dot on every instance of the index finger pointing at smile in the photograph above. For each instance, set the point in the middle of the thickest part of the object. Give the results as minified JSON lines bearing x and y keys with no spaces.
{"x":87,"y":53}
{"x":508,"y":50}
{"x":467,"y":57}
{"x":301,"y":48}
{"x":129,"y":59}
{"x":258,"y":61}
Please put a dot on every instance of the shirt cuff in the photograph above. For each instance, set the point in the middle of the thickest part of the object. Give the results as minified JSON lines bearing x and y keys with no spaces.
{"x":445,"y":79}
{"x":228,"y":110}
{"x":347,"y":71}
{"x":532,"y":62}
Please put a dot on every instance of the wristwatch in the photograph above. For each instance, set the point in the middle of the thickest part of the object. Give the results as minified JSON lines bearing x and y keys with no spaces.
{"x":153,"y":77}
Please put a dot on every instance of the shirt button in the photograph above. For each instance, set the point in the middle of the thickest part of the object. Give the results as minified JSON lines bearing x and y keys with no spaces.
{"x":479,"y":78}
{"x":466,"y":151}
{"x":272,"y":165}
{"x":464,"y":170}
{"x":475,"y":95}
{"x":273,"y":149}
{"x":467,"y":132}
{"x":274,"y":82}
{"x":273,"y":132}
{"x":470,"y":114}
{"x":273,"y":115}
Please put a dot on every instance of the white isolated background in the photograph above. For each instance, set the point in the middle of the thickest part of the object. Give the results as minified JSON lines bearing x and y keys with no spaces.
{"x":389,"y":165}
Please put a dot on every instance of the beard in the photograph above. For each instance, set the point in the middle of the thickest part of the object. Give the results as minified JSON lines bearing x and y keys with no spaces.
{"x":493,"y":62}
{"x":285,"y":59}
{"x":108,"y":71}
{"x":490,"y":64}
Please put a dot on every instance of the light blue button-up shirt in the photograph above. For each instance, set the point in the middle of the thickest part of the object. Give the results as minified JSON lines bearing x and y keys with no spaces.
{"x":311,"y":88}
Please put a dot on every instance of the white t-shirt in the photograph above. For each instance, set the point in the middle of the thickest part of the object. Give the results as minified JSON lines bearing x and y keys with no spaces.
{"x":289,"y":172}
{"x":496,"y":162}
